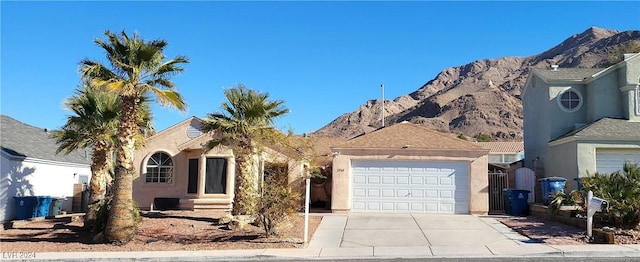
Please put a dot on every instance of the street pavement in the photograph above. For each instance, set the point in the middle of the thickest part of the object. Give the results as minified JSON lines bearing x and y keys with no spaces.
{"x":384,"y":236}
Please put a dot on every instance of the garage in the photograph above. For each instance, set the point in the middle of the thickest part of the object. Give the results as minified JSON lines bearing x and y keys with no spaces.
{"x":408,"y":168}
{"x":612,"y":160}
{"x":410,"y":187}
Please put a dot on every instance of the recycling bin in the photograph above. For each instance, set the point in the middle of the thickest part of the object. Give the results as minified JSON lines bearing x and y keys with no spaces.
{"x":516,"y":201}
{"x":56,"y":206}
{"x":26,"y":207}
{"x":550,"y":187}
{"x":44,"y":204}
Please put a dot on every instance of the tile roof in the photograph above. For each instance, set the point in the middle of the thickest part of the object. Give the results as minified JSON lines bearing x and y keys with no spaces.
{"x":608,"y":128}
{"x":405,"y":134}
{"x":502,"y":147}
{"x":567,"y":74}
{"x":22,"y":140}
{"x":317,"y":147}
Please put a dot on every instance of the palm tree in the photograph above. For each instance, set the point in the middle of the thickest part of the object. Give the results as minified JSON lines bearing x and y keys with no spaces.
{"x":137,"y":68}
{"x":94,"y":124}
{"x":246,"y":124}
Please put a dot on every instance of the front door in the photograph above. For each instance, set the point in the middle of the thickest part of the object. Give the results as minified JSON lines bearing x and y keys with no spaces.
{"x":192,"y":186}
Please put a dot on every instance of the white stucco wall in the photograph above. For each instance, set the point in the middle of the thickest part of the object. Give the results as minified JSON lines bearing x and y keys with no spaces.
{"x":34,"y":177}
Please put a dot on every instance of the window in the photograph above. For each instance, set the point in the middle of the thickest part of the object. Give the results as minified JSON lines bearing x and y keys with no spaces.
{"x":159,"y":168}
{"x":216,"y":176}
{"x":570,"y":100}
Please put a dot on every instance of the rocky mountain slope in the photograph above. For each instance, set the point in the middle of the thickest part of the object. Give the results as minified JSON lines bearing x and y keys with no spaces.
{"x":482,"y":97}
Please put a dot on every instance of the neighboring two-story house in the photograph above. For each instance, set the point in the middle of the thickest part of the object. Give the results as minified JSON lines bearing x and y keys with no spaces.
{"x":582,"y":121}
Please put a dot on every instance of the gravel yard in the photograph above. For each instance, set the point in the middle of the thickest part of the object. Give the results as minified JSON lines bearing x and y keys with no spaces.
{"x":169,"y":230}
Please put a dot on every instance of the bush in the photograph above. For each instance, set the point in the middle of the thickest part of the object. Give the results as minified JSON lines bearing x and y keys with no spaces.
{"x":621,"y":190}
{"x":482,"y":137}
{"x":573,"y":198}
{"x":276,"y":204}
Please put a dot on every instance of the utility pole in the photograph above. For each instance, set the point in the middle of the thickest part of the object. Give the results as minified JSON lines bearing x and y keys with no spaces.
{"x":382,"y":85}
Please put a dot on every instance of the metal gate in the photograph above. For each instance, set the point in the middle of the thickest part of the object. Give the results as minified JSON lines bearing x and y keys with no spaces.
{"x":497,"y":182}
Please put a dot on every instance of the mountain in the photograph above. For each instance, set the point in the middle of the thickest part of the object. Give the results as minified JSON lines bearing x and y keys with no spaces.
{"x":483,"y":97}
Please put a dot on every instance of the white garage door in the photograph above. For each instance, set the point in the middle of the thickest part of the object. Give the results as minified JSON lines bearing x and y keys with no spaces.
{"x":612,"y":160}
{"x":410,"y":187}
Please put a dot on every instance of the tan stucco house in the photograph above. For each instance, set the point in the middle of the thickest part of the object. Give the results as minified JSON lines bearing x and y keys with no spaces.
{"x":579,"y":121}
{"x":173,"y":171}
{"x":407,"y":168}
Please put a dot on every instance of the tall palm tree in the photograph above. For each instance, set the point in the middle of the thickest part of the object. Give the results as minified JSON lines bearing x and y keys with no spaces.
{"x":246,"y":124}
{"x":94,"y":124}
{"x":137,"y":68}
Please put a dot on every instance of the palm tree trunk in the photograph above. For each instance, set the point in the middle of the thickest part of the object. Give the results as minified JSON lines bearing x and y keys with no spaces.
{"x":245,"y":189}
{"x":100,"y":163}
{"x":122,"y":222}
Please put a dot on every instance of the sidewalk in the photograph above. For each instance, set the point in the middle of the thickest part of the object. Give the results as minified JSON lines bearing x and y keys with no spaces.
{"x":335,"y":238}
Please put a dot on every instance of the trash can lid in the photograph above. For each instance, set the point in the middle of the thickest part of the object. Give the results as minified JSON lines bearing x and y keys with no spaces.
{"x":553,"y":178}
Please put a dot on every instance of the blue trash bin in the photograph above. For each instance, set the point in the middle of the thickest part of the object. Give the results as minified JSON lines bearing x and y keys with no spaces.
{"x":519,"y":202}
{"x":44,"y":204}
{"x":26,"y":207}
{"x":550,"y":187}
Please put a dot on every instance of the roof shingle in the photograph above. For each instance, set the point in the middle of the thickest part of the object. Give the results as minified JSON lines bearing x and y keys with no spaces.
{"x":23,"y":140}
{"x":567,"y":74}
{"x":408,"y":135}
{"x":502,"y":147}
{"x":608,"y":128}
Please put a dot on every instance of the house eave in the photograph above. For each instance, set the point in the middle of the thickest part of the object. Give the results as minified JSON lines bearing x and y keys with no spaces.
{"x":409,"y":149}
{"x":42,"y":161}
{"x":591,"y":138}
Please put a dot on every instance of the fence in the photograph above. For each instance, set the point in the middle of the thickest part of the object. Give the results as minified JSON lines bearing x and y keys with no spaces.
{"x":497,"y":181}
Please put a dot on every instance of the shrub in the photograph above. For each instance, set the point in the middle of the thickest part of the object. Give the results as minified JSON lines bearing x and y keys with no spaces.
{"x":277,"y":203}
{"x":563,"y":199}
{"x":622,"y":191}
{"x":482,"y":137}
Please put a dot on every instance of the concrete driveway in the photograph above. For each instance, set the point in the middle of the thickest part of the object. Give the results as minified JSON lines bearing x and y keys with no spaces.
{"x":418,"y":235}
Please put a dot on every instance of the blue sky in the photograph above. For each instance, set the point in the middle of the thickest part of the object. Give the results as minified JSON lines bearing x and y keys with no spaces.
{"x":323,"y":59}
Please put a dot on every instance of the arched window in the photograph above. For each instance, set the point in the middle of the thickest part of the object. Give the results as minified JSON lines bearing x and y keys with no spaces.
{"x":159,"y":168}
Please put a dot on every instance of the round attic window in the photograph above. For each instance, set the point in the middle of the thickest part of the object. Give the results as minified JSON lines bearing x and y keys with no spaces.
{"x":570,"y":100}
{"x":193,"y":132}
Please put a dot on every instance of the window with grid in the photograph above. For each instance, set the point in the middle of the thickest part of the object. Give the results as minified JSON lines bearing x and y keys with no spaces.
{"x":570,"y":100}
{"x":159,"y":168}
